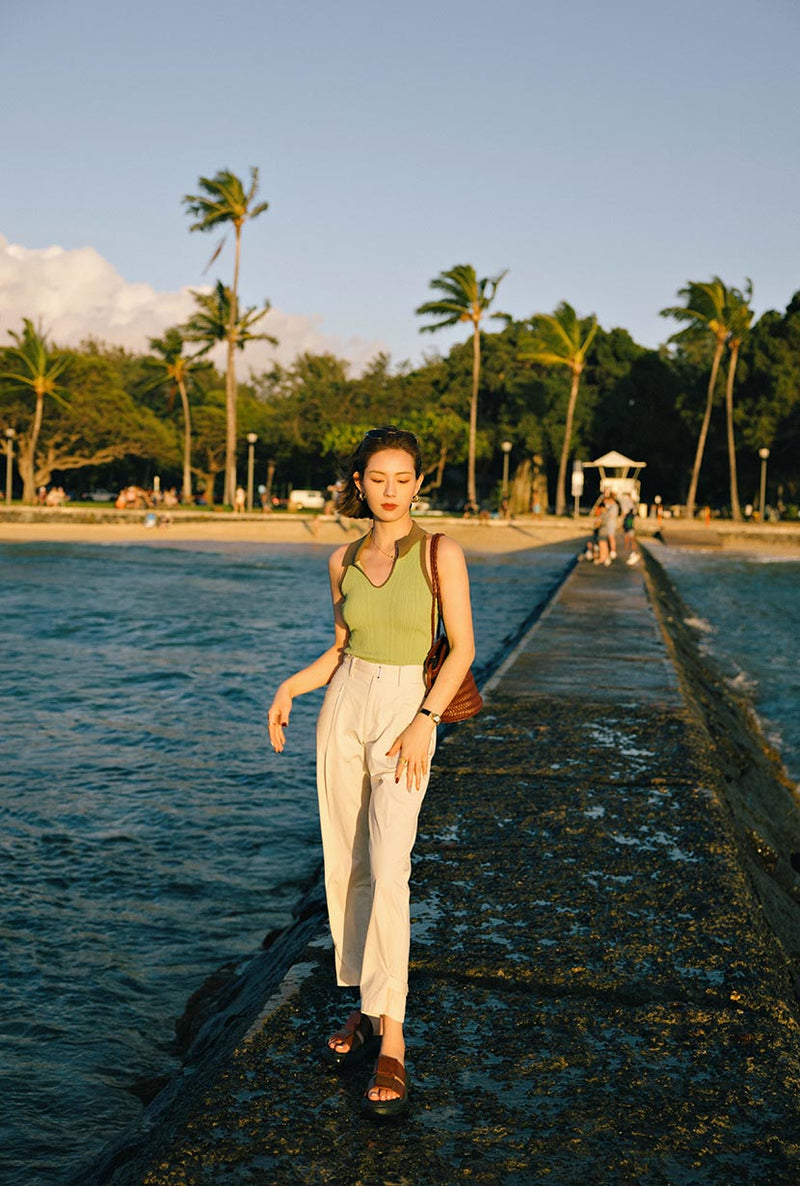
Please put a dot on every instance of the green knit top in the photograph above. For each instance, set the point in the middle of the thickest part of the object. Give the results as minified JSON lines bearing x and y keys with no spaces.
{"x":389,"y":623}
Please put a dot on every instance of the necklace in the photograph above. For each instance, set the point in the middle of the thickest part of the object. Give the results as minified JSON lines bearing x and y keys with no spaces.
{"x":388,"y":555}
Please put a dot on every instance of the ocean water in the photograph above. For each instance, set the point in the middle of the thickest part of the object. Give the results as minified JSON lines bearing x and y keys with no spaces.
{"x":745,"y":610}
{"x":148,"y":833}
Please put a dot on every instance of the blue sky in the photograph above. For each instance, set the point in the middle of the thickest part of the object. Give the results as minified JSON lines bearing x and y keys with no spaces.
{"x":604,"y":153}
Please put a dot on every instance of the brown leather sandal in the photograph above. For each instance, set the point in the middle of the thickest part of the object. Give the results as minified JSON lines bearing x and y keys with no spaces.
{"x":389,"y":1073}
{"x":364,"y":1042}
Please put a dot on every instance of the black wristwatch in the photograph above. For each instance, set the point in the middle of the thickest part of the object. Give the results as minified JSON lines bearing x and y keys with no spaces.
{"x":436,"y":717}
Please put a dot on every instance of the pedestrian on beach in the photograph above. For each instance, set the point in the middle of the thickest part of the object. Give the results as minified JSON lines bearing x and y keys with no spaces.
{"x":376,"y":736}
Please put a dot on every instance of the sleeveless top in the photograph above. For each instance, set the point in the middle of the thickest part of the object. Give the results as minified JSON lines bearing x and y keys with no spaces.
{"x":389,"y":623}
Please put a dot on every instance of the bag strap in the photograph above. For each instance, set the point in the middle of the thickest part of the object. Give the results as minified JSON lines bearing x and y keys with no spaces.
{"x":436,"y":601}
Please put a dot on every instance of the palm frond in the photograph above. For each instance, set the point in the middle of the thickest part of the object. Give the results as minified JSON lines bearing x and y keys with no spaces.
{"x":40,"y":367}
{"x":545,"y":357}
{"x":712,"y":307}
{"x":445,"y":309}
{"x":466,"y":298}
{"x":215,"y":322}
{"x":560,"y":338}
{"x":223,"y":200}
{"x":216,"y":253}
{"x":12,"y":376}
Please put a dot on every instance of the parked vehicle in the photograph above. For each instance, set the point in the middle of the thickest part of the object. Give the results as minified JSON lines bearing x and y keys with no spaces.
{"x":306,"y":500}
{"x":99,"y":496}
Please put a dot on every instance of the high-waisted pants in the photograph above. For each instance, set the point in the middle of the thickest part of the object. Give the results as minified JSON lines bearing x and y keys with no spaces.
{"x":369,"y":825}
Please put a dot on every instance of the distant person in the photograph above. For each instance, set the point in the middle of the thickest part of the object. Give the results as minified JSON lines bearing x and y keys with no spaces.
{"x":593,"y":544}
{"x":629,"y":530}
{"x":376,"y":736}
{"x":627,"y":509}
{"x":239,"y":500}
{"x":609,"y":514}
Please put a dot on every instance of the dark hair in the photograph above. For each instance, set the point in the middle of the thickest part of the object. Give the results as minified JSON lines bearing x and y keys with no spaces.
{"x":348,"y":502}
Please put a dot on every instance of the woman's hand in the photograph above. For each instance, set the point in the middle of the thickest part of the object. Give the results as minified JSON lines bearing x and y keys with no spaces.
{"x":412,"y":747}
{"x":278,"y":718}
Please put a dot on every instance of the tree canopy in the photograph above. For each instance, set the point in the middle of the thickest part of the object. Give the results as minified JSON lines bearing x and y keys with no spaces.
{"x":110,"y":427}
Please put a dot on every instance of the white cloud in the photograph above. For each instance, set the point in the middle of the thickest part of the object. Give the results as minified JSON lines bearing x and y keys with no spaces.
{"x":77,"y":294}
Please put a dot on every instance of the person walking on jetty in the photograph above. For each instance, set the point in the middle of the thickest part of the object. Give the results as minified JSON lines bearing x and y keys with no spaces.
{"x":376,"y":735}
{"x":609,"y":513}
{"x":628,"y":510}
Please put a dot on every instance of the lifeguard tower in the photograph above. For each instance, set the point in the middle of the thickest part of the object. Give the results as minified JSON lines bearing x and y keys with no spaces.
{"x":618,"y":474}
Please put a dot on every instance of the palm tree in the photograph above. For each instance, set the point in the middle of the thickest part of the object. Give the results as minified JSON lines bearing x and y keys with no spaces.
{"x":39,"y":370}
{"x":217,"y":319}
{"x":706,"y":311}
{"x":175,"y":369}
{"x":738,"y":317}
{"x":222,"y":201}
{"x":465,"y":298}
{"x":562,"y":339}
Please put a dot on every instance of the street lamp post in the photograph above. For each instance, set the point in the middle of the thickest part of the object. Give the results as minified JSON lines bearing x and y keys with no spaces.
{"x":763,"y":454}
{"x":251,"y":442}
{"x":506,"y":447}
{"x":10,"y":434}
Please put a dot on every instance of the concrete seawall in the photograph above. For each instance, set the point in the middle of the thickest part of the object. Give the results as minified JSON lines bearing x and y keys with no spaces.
{"x":605,"y":948}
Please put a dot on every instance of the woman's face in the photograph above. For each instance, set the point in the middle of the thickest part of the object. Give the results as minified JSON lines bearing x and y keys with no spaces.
{"x":389,"y":483}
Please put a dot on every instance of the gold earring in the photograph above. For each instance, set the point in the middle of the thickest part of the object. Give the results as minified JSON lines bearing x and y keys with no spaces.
{"x":361,"y":495}
{"x":415,"y":498}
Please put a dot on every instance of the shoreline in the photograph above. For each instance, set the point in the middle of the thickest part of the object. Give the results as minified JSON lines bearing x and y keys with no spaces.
{"x":32,"y":525}
{"x":81,"y":525}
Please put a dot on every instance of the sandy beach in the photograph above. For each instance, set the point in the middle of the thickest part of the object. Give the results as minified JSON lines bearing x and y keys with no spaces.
{"x":108,"y":526}
{"x":121,"y":527}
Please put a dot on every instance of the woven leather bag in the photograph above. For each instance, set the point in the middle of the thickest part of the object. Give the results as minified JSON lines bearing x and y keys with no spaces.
{"x":467,"y":701}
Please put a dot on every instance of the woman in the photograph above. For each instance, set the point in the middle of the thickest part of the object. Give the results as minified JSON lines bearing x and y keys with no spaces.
{"x":609,"y":512}
{"x":376,"y":735}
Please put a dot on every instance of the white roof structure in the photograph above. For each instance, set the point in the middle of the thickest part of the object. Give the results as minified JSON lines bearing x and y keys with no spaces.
{"x":614,"y":460}
{"x":621,"y":480}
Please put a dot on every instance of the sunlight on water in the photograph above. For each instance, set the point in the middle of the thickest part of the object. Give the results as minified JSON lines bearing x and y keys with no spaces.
{"x":148,"y":832}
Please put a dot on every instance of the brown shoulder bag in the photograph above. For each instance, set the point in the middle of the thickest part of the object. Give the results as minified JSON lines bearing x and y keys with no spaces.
{"x":467,"y":701}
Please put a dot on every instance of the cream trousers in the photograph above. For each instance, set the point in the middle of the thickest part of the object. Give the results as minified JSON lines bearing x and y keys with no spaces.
{"x":369,"y":825}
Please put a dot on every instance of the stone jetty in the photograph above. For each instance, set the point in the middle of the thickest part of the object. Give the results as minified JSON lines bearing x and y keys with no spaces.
{"x":604,"y":956}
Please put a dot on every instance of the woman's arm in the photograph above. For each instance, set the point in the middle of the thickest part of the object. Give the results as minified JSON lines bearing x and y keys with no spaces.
{"x":412,"y":744}
{"x":318,"y":673}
